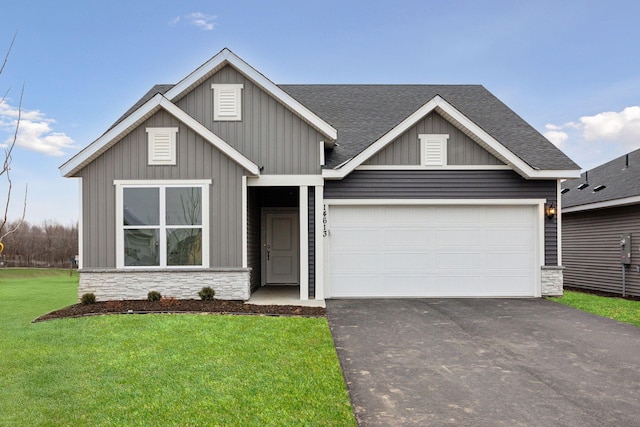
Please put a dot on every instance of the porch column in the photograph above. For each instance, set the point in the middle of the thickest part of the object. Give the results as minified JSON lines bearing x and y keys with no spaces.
{"x":304,"y":242}
{"x":319,"y":198}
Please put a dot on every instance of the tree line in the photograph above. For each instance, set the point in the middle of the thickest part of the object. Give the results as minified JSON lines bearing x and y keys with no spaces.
{"x":47,"y":245}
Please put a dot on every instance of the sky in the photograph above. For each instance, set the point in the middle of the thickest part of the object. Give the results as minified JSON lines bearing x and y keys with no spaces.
{"x":569,"y":68}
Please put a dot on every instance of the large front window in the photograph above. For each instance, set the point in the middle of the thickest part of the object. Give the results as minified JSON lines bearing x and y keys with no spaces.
{"x":162,"y":225}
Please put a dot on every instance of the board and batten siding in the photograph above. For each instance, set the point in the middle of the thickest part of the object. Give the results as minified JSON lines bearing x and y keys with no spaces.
{"x":269,"y":134}
{"x":591,"y":249}
{"x":449,"y":184}
{"x":461,"y":150}
{"x":127,"y":160}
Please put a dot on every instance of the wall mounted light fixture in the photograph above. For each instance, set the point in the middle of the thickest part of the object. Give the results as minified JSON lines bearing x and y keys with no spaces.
{"x":550,"y":211}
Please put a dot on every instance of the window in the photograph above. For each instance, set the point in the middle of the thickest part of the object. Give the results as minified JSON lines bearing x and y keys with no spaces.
{"x":433,"y":148}
{"x":162,"y":224}
{"x":162,"y":146}
{"x":227,"y":102}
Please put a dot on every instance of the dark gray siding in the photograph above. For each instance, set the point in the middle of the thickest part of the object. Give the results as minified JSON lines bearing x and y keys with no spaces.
{"x":449,"y":184}
{"x":312,"y":241}
{"x":269,"y":134}
{"x":196,"y":159}
{"x":254,"y":244}
{"x":591,"y":249}
{"x":461,"y":150}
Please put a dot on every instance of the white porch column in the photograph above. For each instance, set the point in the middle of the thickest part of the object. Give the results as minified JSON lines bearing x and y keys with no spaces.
{"x":304,"y":242}
{"x":319,"y":207}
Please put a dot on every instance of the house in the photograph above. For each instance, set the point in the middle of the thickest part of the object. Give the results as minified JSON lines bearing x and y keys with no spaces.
{"x":228,"y":180}
{"x":601,"y":228}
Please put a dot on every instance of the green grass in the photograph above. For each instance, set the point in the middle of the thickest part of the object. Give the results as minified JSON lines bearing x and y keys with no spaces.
{"x":139,"y":370}
{"x":619,"y":309}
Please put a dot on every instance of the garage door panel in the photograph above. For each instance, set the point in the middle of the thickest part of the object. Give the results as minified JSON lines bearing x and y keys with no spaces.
{"x":460,"y":260}
{"x":410,"y":237}
{"x":388,"y":251}
{"x":406,"y":261}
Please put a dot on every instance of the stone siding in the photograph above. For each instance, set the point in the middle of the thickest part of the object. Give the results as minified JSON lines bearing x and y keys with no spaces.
{"x":551,"y":278}
{"x":228,"y":284}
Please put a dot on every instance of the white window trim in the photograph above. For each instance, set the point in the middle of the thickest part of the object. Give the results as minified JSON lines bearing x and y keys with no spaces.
{"x":151,"y":145}
{"x":217,"y":91}
{"x":439,"y":140}
{"x":122,"y":184}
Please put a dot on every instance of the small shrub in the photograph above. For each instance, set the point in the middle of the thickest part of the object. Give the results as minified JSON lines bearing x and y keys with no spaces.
{"x":89,"y":298}
{"x":207,"y":294}
{"x":154,"y":296}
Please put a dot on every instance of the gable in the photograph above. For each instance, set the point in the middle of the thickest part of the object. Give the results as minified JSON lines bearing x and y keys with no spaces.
{"x":123,"y":127}
{"x":406,"y":151}
{"x":269,"y":132}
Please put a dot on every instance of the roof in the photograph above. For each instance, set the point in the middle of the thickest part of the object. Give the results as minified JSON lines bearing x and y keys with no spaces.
{"x":356,"y":117}
{"x":363,"y":113}
{"x":621,"y":178}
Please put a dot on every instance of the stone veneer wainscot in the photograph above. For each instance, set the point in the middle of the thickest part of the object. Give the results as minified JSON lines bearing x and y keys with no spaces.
{"x":109,"y":284}
{"x":551,"y":278}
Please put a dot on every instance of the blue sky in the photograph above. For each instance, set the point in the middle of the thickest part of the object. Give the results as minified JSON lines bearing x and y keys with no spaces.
{"x":570,"y":68}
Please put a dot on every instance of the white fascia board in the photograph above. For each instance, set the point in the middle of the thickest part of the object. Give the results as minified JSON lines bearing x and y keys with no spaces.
{"x":105,"y":141}
{"x":487,"y":141}
{"x":214,"y":139}
{"x":226,"y":56}
{"x":606,"y":204}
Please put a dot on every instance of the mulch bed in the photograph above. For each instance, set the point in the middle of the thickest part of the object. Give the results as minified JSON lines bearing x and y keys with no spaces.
{"x":180,"y":306}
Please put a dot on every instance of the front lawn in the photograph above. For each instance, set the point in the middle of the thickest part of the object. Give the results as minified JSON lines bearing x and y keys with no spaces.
{"x":187,"y":370}
{"x":620,"y":309}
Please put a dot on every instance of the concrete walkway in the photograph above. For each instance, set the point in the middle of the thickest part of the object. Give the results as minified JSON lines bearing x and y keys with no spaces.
{"x":282,"y":295}
{"x":485,"y":362}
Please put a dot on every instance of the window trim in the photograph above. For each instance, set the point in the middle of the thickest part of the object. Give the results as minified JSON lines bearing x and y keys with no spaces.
{"x":152,"y":132}
{"x":436,"y":139}
{"x":120,"y":185}
{"x":218,"y":89}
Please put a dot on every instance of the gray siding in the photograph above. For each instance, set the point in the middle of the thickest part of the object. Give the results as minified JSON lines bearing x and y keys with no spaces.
{"x":461,"y":150}
{"x":196,"y":159}
{"x":269,"y":134}
{"x":591,"y":249}
{"x":449,"y":184}
{"x":311,"y":207}
{"x":254,"y":245}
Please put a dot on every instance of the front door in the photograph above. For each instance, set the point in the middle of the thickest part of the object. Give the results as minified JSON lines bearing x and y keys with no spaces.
{"x":281,"y":249}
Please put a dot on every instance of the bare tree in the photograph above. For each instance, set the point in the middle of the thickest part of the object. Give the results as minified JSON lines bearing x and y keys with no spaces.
{"x":5,"y":169}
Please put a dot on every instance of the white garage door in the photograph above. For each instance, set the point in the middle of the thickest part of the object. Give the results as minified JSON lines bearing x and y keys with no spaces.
{"x":428,"y":251}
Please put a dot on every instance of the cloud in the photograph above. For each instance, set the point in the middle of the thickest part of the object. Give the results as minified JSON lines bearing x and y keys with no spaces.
{"x":557,"y":137}
{"x":35,"y":131}
{"x":622,"y":127}
{"x":201,"y":20}
{"x":593,"y":140}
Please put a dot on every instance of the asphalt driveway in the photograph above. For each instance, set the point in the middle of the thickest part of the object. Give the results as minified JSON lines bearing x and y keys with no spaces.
{"x":485,"y":362}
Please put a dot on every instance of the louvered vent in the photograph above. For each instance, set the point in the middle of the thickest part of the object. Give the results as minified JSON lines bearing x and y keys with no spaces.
{"x":227,"y":102}
{"x":434,"y":149}
{"x":162,"y":146}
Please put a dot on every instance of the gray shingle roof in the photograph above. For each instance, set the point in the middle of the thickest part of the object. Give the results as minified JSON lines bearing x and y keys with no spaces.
{"x":364,"y":113}
{"x":620,"y":182}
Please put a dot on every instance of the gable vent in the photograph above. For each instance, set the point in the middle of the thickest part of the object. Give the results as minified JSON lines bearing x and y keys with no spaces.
{"x":227,"y":102}
{"x":162,"y":146}
{"x":434,"y":149}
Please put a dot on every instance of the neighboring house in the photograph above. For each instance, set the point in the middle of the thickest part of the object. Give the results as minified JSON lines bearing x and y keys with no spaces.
{"x":601,"y":227}
{"x":231,"y":181}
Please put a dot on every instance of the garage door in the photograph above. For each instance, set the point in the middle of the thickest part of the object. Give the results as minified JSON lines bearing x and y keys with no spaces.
{"x":425,"y":251}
